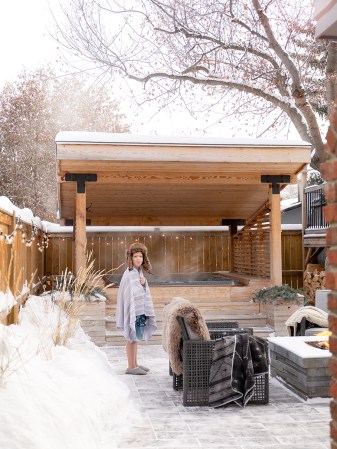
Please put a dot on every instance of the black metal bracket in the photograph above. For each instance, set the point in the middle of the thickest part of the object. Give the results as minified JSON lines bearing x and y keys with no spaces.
{"x":81,"y":179}
{"x":275,"y":181}
{"x":233,"y":224}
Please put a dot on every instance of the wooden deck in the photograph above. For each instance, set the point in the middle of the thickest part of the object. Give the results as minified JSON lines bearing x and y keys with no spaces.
{"x":215,"y":303}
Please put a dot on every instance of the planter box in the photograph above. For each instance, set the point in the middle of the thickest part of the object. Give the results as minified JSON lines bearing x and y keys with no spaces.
{"x":279,"y":311}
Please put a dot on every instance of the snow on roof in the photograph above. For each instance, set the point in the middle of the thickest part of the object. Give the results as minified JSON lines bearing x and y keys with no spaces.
{"x":137,"y":139}
{"x":289,"y":202}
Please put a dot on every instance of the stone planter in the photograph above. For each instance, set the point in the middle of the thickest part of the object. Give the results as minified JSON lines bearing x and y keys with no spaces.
{"x":278,"y":311}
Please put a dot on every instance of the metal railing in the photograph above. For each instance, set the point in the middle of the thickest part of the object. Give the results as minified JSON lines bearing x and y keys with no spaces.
{"x":315,"y":201}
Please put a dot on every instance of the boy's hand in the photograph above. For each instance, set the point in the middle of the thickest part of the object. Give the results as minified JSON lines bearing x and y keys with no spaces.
{"x":142,"y":281}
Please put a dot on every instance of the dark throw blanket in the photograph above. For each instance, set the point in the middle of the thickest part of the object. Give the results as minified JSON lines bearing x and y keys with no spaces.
{"x":236,"y":360}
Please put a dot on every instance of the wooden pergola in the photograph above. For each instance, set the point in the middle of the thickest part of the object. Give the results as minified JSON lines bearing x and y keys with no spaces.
{"x":131,"y":180}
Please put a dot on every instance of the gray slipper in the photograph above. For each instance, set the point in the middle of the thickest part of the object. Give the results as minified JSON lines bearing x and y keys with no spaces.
{"x":138,"y":371}
{"x":144,"y":368}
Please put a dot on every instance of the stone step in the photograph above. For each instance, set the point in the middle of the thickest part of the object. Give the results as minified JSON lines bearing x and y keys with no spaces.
{"x":243,"y":320}
{"x":196,"y":293}
{"x":254,"y":319}
{"x":99,"y":320}
{"x":230,"y":307}
{"x":198,"y":299}
{"x":115,"y":338}
{"x":195,"y":300}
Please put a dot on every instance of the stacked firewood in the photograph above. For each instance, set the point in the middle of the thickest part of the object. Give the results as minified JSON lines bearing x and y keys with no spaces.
{"x":314,"y":279}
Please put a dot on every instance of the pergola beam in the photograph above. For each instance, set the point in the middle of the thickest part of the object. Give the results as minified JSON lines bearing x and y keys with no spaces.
{"x":187,"y":178}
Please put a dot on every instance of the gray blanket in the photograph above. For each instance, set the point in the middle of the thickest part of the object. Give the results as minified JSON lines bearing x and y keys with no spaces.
{"x":236,"y":360}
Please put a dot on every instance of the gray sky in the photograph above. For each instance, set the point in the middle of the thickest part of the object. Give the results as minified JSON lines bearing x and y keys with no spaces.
{"x":24,"y":41}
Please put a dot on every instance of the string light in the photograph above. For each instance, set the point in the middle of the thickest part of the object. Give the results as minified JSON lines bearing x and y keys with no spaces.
{"x":28,"y":241}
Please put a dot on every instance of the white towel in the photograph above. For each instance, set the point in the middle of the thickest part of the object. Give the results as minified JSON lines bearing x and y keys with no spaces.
{"x":311,"y":313}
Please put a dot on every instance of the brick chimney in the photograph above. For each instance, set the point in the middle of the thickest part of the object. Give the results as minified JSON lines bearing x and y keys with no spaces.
{"x":329,"y":173}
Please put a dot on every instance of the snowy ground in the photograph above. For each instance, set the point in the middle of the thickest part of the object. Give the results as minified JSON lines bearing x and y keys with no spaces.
{"x":58,"y":396}
{"x":68,"y":396}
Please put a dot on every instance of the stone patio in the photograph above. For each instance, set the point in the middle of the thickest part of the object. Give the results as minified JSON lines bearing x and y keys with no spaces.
{"x":286,"y":422}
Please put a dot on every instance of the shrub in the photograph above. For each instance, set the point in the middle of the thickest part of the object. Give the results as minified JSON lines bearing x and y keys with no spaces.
{"x":271,"y":294}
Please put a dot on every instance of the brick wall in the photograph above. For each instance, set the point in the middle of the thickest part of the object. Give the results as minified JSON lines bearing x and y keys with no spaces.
{"x":329,"y":173}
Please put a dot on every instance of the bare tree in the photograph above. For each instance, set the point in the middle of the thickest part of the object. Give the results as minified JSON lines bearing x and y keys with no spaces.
{"x":33,"y":110}
{"x":262,"y":51}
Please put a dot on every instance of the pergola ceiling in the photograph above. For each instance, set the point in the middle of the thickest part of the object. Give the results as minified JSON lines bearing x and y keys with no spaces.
{"x":171,"y":181}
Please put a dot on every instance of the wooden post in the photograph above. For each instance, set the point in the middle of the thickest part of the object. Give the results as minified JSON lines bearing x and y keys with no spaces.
{"x":80,"y":231}
{"x":275,"y":237}
{"x":231,"y":253}
{"x":80,"y":216}
{"x":306,"y":251}
{"x":232,"y":231}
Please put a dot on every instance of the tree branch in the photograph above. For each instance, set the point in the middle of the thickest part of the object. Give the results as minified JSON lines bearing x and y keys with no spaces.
{"x":298,"y":91}
{"x":296,"y":117}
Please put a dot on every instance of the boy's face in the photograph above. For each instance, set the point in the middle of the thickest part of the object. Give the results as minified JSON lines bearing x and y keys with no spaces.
{"x":137,"y":259}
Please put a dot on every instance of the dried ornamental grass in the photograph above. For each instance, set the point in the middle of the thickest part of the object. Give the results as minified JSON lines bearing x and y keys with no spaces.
{"x":87,"y":284}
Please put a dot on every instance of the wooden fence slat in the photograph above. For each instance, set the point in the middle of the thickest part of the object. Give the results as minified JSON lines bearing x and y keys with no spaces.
{"x":186,"y":252}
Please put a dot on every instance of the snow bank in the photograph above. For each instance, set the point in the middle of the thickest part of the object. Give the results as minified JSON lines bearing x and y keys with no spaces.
{"x":56,"y":396}
{"x":7,"y":301}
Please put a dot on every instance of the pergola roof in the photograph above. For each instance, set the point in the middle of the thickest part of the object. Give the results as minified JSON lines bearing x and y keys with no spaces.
{"x":163,"y":180}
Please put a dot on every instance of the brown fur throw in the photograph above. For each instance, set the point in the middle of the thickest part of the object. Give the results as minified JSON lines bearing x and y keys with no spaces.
{"x":172,"y":331}
{"x":168,"y":310}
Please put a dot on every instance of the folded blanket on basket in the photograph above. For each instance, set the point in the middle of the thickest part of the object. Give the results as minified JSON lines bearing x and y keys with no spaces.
{"x":236,"y":360}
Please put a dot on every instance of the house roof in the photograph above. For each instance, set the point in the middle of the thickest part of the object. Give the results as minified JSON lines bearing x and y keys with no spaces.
{"x":164,"y":180}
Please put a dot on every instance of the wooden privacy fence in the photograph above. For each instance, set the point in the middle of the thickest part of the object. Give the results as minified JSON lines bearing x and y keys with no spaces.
{"x":20,"y":257}
{"x":178,"y":252}
{"x":252,"y":246}
{"x":252,"y":251}
{"x":170,"y":252}
{"x":292,"y":258}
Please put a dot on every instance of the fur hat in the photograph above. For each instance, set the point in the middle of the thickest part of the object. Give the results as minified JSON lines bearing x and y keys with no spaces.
{"x":138,"y":247}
